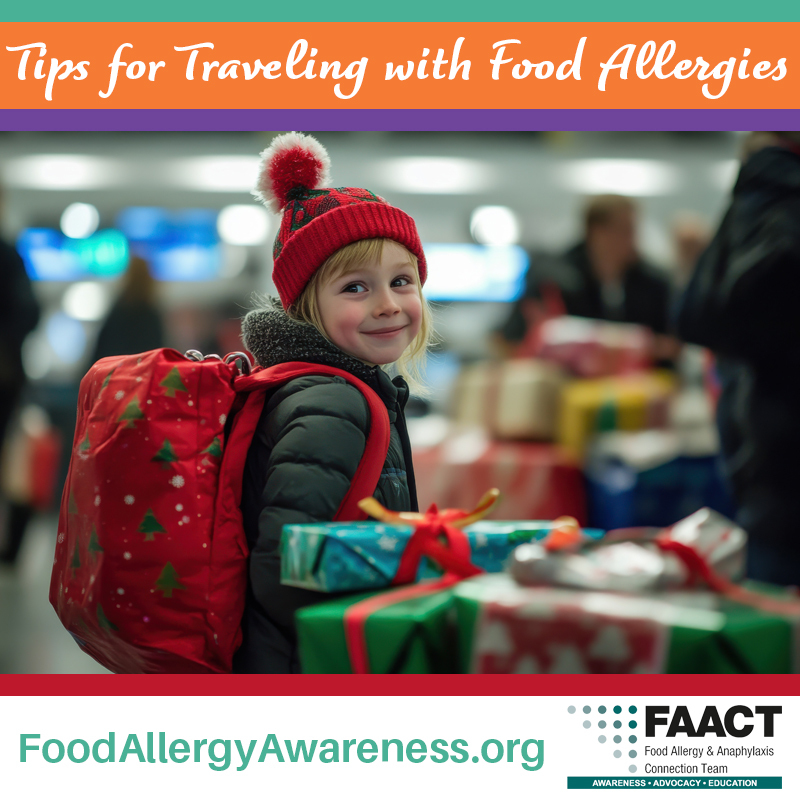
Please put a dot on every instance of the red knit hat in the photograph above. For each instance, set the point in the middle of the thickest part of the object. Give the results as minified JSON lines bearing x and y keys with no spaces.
{"x":317,"y":222}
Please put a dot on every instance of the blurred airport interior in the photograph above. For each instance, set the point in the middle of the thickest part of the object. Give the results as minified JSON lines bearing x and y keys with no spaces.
{"x":610,"y":422}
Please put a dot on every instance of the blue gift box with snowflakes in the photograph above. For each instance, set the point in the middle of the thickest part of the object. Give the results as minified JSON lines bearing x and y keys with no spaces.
{"x":358,"y":556}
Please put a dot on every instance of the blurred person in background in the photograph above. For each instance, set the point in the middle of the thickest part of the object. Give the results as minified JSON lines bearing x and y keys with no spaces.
{"x":19,"y":315}
{"x":691,"y":235}
{"x":741,"y":303}
{"x":135,"y":323}
{"x":602,"y":277}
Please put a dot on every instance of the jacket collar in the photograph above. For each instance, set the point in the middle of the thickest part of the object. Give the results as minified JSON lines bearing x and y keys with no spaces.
{"x":273,"y":338}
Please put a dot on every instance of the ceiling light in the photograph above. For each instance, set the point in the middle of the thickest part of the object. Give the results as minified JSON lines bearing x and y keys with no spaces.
{"x":243,"y":225}
{"x":636,"y":177}
{"x":87,"y":301}
{"x":79,"y":220}
{"x":424,"y":175}
{"x":494,"y":225}
{"x":218,"y":173}
{"x":61,"y":172}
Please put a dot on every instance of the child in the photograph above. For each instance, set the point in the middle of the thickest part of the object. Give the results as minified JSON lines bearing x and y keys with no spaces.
{"x":349,"y":270}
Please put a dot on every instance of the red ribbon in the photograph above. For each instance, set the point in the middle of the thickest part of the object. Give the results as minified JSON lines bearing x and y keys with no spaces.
{"x":452,"y":555}
{"x":698,"y":567}
{"x":355,"y":617}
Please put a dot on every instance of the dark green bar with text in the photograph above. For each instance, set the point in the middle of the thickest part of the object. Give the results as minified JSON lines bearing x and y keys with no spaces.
{"x":674,"y":782}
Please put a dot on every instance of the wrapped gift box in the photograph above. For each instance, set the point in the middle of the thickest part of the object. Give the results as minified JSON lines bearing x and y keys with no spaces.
{"x":629,"y":403}
{"x":701,"y":548}
{"x":505,"y":628}
{"x":516,"y":399}
{"x":650,"y":478}
{"x":411,"y":635}
{"x":356,"y":556}
{"x":591,"y":348}
{"x":537,"y":480}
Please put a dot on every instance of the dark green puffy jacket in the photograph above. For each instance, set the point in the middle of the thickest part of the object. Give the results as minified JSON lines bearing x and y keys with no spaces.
{"x":305,"y":451}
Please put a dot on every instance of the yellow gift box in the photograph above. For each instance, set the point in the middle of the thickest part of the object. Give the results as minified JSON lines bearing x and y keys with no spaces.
{"x":628,"y":402}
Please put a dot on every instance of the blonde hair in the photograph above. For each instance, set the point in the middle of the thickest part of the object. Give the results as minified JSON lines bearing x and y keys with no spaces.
{"x":348,"y":259}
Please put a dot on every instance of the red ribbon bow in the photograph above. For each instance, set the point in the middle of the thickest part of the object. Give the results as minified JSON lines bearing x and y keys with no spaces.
{"x":452,"y":554}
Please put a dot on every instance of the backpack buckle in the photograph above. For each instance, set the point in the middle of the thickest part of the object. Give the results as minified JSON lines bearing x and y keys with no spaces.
{"x":245,"y":366}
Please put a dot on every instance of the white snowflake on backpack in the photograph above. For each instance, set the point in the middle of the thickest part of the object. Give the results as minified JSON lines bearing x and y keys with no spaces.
{"x":119,"y":395}
{"x":222,"y":418}
{"x":129,"y":499}
{"x":177,"y":481}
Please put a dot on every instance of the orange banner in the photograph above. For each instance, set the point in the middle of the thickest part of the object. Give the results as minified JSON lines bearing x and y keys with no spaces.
{"x":448,"y":65}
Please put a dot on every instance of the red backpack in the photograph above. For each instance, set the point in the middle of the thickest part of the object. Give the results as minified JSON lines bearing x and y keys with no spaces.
{"x":150,"y":566}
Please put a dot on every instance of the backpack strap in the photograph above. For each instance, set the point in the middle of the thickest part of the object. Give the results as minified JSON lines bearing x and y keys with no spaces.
{"x":369,"y":468}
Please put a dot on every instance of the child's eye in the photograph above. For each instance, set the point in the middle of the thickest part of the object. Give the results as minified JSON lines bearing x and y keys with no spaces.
{"x":354,"y":288}
{"x":401,"y":281}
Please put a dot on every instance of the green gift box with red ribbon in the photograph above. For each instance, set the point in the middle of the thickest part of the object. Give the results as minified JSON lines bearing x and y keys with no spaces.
{"x":639,"y":600}
{"x":408,"y":629}
{"x":507,"y":628}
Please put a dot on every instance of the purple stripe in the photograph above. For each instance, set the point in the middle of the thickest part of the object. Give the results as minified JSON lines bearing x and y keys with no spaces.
{"x":399,"y":120}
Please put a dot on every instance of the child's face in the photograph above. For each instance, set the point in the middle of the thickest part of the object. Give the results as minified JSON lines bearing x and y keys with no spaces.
{"x":375,"y":312}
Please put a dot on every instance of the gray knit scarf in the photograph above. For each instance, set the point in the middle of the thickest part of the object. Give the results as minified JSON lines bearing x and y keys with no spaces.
{"x":273,"y":337}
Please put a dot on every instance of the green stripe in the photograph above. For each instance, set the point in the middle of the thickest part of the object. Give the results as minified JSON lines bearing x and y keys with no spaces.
{"x":410,"y":11}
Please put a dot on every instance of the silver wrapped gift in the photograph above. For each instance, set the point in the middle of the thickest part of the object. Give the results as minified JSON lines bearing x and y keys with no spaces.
{"x":632,"y":562}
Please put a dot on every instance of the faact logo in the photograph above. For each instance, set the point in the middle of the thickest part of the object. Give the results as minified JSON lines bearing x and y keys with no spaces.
{"x":733,"y":721}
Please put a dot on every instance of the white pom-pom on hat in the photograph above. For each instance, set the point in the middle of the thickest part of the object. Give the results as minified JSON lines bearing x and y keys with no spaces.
{"x":292,"y":161}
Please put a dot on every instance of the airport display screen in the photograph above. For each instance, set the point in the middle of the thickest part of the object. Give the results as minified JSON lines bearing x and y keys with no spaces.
{"x":179,"y":245}
{"x":475,"y":273}
{"x":51,"y":256}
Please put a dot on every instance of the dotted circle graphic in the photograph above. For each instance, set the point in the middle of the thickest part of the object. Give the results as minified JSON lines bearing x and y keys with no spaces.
{"x":632,"y":739}
{"x":632,"y":754}
{"x":601,"y":739}
{"x":571,"y":710}
{"x":632,"y":768}
{"x":587,"y":724}
{"x":617,"y":723}
{"x":601,"y":724}
{"x":587,"y":709}
{"x":601,"y":710}
{"x":617,"y":739}
{"x":617,"y":754}
{"x":632,"y":710}
{"x":632,"y":723}
{"x":617,"y":709}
